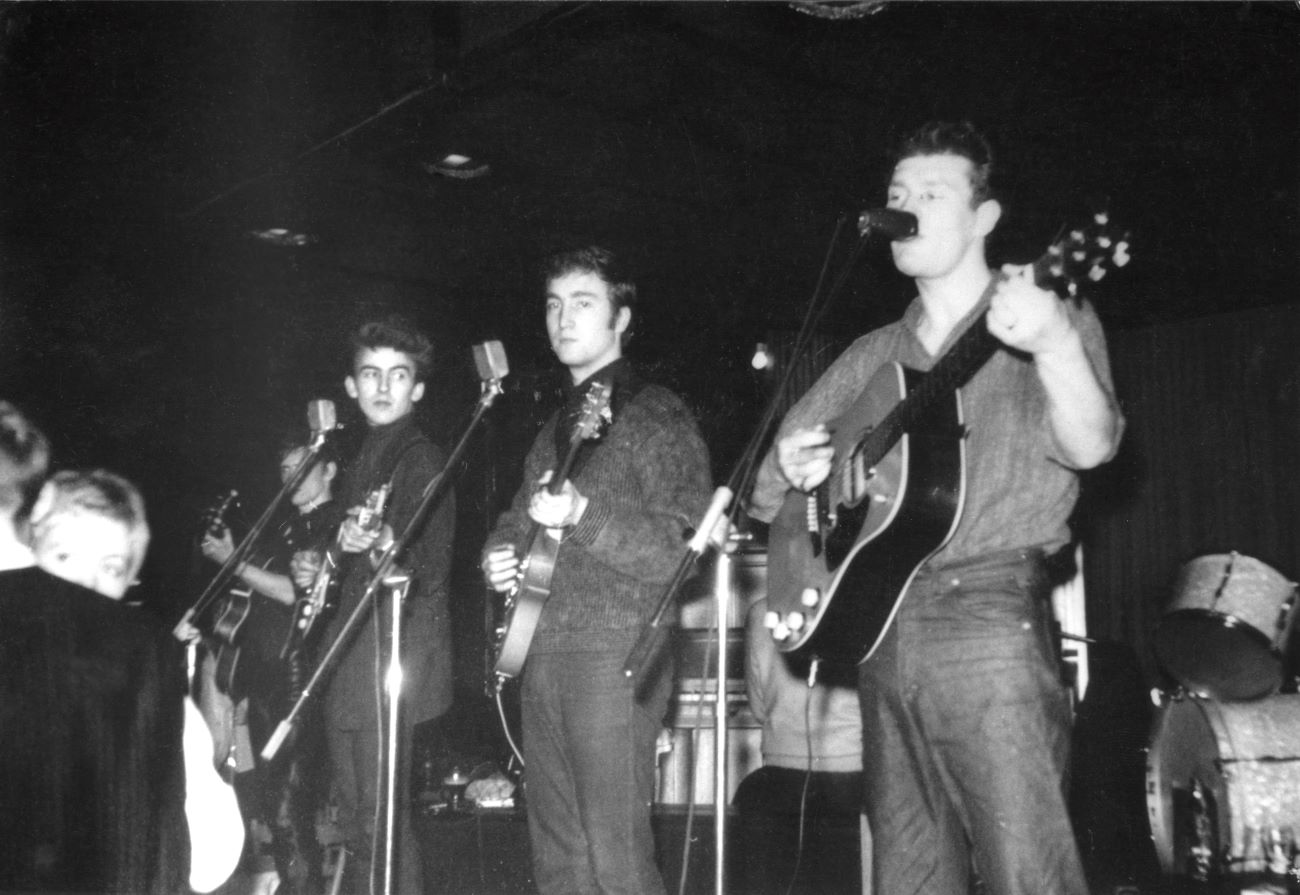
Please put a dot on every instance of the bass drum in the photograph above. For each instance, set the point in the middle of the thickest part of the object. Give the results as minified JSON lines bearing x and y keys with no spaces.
{"x":1224,"y":635}
{"x":1246,"y":756}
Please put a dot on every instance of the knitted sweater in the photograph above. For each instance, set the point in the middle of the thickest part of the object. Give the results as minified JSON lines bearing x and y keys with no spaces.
{"x":647,"y":483}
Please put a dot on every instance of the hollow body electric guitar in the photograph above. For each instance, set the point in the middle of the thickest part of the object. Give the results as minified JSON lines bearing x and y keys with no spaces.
{"x":840,"y":558}
{"x":321,"y":599}
{"x":234,"y":612}
{"x":524,"y":602}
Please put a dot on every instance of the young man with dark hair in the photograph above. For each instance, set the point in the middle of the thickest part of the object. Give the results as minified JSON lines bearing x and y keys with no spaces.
{"x":966,"y":723}
{"x":390,"y":362}
{"x":620,"y":518}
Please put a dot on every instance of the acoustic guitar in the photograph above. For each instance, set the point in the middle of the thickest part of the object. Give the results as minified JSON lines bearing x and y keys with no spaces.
{"x":524,"y":602}
{"x":841,"y":557}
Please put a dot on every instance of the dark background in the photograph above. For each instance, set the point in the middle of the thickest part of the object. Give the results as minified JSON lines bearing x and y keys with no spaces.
{"x":715,"y":144}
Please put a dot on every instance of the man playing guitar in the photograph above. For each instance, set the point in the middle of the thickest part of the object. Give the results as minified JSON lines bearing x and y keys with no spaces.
{"x":387,"y":369}
{"x":588,"y":741}
{"x":966,"y":724}
{"x":260,"y":685}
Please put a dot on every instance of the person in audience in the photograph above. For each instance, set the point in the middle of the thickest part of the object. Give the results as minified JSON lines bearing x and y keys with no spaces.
{"x":90,"y":528}
{"x":92,"y":780}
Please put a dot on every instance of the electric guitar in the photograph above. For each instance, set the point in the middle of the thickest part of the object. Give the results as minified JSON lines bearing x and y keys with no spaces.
{"x":524,"y":602}
{"x":232,"y":610}
{"x":322,"y":597}
{"x":840,"y":559}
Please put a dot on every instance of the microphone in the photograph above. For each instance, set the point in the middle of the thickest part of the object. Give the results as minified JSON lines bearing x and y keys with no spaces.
{"x":321,"y":416}
{"x":890,"y":221}
{"x":490,"y":360}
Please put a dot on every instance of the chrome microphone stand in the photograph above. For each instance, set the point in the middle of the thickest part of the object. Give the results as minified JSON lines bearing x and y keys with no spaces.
{"x":722,"y":606}
{"x":397,"y":584}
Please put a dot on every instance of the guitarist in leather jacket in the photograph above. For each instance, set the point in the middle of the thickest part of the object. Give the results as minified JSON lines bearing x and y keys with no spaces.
{"x":588,"y":739}
{"x":966,"y":723}
{"x":284,"y":794}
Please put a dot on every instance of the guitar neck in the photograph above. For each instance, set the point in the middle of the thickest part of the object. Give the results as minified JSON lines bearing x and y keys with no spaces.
{"x":971,"y":351}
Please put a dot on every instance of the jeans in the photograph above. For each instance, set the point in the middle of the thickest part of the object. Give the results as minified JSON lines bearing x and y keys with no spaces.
{"x":966,"y":731}
{"x":589,"y":752}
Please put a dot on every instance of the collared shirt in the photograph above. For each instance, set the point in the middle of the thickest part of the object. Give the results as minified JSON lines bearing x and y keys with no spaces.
{"x":1019,"y":490}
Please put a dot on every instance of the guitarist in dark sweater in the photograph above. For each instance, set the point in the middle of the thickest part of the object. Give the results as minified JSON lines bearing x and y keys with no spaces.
{"x":966,"y":724}
{"x":283,"y":794}
{"x":620,"y":518}
{"x":390,"y":361}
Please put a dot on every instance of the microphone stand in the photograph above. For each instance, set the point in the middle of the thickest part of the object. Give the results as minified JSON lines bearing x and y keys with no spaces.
{"x":221,"y":580}
{"x":398,"y":585}
{"x":654,"y":634}
{"x":384,"y":566}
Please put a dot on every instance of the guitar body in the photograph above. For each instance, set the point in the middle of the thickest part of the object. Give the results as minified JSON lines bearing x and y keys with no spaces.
{"x":523,"y":604}
{"x":875,"y":525}
{"x":248,"y":633}
{"x":523,"y":608}
{"x":840,"y":561}
{"x":312,"y":611}
{"x":320,"y":601}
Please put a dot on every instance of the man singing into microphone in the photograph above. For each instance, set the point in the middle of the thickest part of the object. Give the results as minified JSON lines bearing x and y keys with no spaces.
{"x":966,"y":724}
{"x":390,"y":361}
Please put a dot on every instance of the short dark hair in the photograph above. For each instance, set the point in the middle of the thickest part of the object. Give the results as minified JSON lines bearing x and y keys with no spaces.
{"x":24,"y":459}
{"x":959,"y":138}
{"x":398,"y":333}
{"x":603,"y":263}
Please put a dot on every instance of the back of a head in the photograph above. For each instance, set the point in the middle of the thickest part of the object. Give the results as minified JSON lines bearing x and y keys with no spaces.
{"x":24,"y":459}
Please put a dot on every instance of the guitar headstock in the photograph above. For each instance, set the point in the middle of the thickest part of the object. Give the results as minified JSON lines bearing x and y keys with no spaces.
{"x":1082,"y":255}
{"x":595,"y":412}
{"x":214,"y":517}
{"x":371,"y":516}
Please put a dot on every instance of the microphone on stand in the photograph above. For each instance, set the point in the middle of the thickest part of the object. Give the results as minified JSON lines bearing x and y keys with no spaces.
{"x":890,"y":221}
{"x":490,"y":360}
{"x":321,"y":416}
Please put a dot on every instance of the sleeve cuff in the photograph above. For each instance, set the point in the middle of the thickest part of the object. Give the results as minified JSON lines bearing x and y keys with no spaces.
{"x":591,"y":524}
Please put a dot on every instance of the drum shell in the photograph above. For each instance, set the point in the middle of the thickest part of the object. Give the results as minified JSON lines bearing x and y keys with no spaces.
{"x":1225,"y":633}
{"x":1247,"y":758}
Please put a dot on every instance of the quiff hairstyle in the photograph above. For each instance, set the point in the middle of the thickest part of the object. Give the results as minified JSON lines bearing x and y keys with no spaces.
{"x":398,"y":333}
{"x":960,"y":138}
{"x":603,"y":263}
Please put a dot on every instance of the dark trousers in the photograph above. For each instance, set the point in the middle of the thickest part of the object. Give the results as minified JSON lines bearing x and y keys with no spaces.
{"x":589,"y":752}
{"x":285,"y":794}
{"x":966,"y":731}
{"x":799,"y":833}
{"x":355,"y":763}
